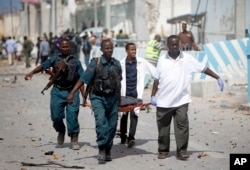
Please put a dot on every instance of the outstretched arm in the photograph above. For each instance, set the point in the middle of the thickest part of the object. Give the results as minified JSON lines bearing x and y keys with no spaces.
{"x":30,"y":74}
{"x":209,"y":72}
{"x":220,"y":82}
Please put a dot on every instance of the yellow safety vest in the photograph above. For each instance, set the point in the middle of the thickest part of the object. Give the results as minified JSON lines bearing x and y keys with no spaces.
{"x":152,"y":52}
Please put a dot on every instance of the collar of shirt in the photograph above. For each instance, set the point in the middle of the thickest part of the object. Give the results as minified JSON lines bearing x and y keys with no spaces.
{"x":169,"y":57}
{"x":67,"y":58}
{"x":133,"y":61}
{"x":104,"y":61}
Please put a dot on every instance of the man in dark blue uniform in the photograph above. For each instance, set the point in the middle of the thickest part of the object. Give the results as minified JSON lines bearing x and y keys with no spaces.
{"x":64,"y":83}
{"x":105,"y":73}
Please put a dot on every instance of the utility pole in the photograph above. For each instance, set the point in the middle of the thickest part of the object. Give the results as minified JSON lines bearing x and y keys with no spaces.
{"x":11,"y":16}
{"x":172,"y":15}
{"x":26,"y":18}
{"x":53,"y":17}
{"x":95,"y":14}
{"x":108,"y":16}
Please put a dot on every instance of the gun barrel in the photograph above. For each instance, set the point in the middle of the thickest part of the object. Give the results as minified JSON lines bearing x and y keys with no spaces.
{"x":42,"y":91}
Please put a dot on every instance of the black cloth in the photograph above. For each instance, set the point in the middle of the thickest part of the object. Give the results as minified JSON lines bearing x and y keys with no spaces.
{"x":131,"y":78}
{"x":127,"y":100}
{"x":132,"y":128}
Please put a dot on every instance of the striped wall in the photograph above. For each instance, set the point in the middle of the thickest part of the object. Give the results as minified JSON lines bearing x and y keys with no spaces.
{"x":228,"y":58}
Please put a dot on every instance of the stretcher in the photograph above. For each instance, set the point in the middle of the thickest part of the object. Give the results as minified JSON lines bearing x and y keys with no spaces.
{"x":127,"y":108}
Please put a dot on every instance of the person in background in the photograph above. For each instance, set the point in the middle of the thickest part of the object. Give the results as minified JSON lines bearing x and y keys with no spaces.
{"x":27,"y":48}
{"x":3,"y":51}
{"x":187,"y":39}
{"x":121,"y":38}
{"x":59,"y":107}
{"x":92,"y":35}
{"x":106,"y":75}
{"x":153,"y":51}
{"x":38,"y":50}
{"x":19,"y":49}
{"x":78,"y":41}
{"x":86,"y":49}
{"x":10,"y":46}
{"x":134,"y":70}
{"x":172,"y":79}
{"x":44,"y":49}
{"x":73,"y":44}
{"x":105,"y":34}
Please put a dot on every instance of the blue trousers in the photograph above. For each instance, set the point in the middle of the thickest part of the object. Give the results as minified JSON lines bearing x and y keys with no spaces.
{"x":86,"y":59}
{"x":60,"y":109}
{"x":105,"y":109}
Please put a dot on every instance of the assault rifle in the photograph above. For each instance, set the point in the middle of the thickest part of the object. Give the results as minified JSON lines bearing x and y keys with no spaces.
{"x":86,"y":93}
{"x":53,"y":76}
{"x":89,"y":86}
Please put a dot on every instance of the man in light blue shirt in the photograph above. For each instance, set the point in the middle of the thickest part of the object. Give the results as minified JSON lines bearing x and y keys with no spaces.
{"x":10,"y":47}
{"x":44,"y":49}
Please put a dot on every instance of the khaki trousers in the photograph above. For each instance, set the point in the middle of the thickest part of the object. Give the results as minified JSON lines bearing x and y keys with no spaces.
{"x":181,"y":127}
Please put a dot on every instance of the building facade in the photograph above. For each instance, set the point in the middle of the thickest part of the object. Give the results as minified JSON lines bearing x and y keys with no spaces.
{"x":223,"y":20}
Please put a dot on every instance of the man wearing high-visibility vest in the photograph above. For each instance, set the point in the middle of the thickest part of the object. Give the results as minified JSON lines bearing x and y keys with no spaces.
{"x":153,"y":51}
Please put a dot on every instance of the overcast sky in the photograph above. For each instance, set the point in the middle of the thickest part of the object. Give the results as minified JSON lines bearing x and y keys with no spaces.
{"x":5,"y":5}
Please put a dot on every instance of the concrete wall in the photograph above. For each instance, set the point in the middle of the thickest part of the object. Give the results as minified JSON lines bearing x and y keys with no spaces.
{"x":247,"y":18}
{"x":12,"y":24}
{"x":225,"y":19}
{"x":240,"y":21}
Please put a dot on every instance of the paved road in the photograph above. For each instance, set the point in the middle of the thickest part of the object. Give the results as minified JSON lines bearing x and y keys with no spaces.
{"x":217,"y":128}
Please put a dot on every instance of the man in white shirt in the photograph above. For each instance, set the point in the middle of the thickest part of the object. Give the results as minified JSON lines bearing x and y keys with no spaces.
{"x":134,"y":70}
{"x":172,"y":78}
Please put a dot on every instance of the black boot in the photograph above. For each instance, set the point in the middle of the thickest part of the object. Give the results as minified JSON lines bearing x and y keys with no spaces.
{"x":123,"y":139}
{"x":60,"y":138}
{"x":102,"y":156}
{"x":131,"y":141}
{"x":108,"y":154}
{"x":74,"y":142}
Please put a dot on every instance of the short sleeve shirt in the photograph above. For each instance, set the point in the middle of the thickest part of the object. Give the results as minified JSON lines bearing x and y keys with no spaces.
{"x":174,"y":77}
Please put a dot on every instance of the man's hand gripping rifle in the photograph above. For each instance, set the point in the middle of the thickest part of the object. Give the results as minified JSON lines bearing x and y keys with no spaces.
{"x":53,"y":76}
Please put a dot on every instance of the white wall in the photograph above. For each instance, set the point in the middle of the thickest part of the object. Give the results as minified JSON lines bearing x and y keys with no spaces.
{"x":180,"y":7}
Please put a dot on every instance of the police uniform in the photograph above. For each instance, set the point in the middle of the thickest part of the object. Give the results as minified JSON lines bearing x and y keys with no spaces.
{"x":104,"y":98}
{"x":61,"y":89}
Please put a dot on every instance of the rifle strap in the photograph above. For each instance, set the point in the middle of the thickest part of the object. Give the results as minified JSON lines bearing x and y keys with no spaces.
{"x":98,"y":62}
{"x":89,"y":86}
{"x":98,"y":59}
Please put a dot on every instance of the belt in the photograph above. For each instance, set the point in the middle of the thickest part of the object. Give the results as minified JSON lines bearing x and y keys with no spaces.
{"x":62,"y":87}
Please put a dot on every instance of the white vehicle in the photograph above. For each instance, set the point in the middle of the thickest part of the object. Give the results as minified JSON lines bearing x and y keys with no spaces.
{"x":96,"y":30}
